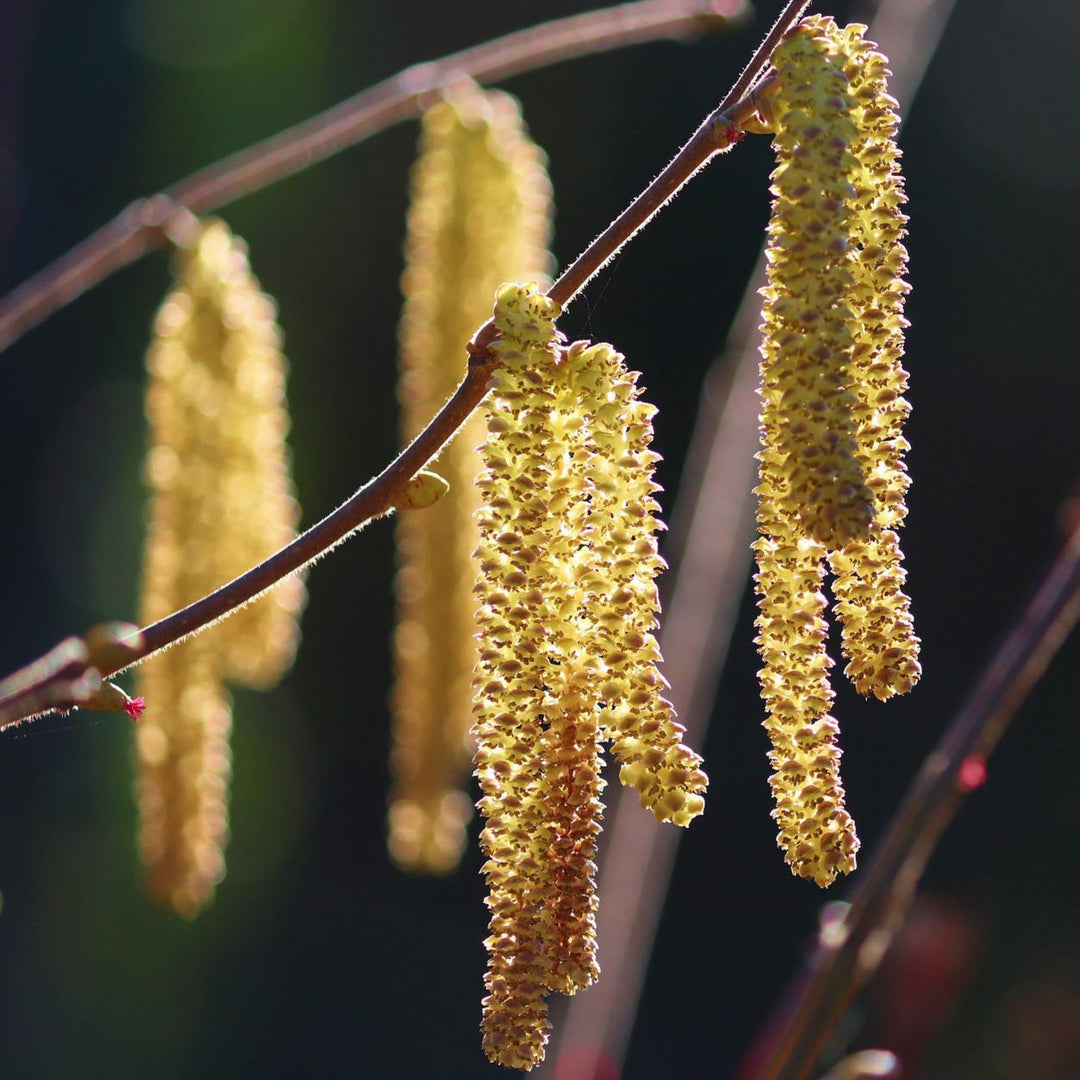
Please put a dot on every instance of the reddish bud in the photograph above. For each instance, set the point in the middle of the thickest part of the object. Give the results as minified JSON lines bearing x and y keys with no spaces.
{"x":972,"y":773}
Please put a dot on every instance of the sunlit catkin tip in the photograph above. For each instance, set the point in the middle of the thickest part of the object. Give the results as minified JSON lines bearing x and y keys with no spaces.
{"x":524,"y":317}
{"x":816,"y":834}
{"x":878,"y":634}
{"x":515,"y":1025}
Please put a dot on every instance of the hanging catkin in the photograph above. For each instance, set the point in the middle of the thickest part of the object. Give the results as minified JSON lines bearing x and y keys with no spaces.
{"x":831,"y":481}
{"x":221,"y":501}
{"x":878,"y":635}
{"x":567,"y":559}
{"x":480,"y":213}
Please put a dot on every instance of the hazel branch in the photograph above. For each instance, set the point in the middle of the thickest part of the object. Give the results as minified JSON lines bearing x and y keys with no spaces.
{"x":376,"y":498}
{"x":152,"y":222}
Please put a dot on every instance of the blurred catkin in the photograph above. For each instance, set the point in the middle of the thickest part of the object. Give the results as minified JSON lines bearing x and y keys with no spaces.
{"x":567,"y":558}
{"x":221,"y":501}
{"x":831,"y":480}
{"x":480,"y":214}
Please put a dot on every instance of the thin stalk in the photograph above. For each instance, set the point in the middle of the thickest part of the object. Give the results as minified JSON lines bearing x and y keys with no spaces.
{"x":150,"y":223}
{"x":715,"y":134}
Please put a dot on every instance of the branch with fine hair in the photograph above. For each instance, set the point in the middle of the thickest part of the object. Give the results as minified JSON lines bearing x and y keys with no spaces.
{"x":153,"y":222}
{"x":716,"y":134}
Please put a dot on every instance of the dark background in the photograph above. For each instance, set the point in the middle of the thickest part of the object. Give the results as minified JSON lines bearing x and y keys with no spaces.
{"x":318,"y":958}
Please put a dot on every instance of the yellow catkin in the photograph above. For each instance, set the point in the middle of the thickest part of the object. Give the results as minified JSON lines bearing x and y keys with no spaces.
{"x":517,"y":620}
{"x":221,"y":500}
{"x":816,"y":833}
{"x":624,"y":605}
{"x":807,"y":384}
{"x":878,"y":636}
{"x":182,"y":750}
{"x":567,"y":561}
{"x":480,"y":214}
{"x":811,"y":493}
{"x":570,"y":783}
{"x":835,"y":263}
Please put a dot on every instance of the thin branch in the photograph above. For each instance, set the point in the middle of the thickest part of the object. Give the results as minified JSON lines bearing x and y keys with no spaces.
{"x":373,"y":500}
{"x":850,"y":949}
{"x":148,"y":223}
{"x":377,"y":496}
{"x":710,"y":138}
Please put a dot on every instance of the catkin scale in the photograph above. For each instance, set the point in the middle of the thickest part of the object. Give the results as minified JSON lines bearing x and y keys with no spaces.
{"x":480,"y":213}
{"x":221,"y":501}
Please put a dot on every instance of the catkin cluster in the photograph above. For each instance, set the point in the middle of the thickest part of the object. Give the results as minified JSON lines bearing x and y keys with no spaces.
{"x":480,"y":214}
{"x":221,"y":501}
{"x":566,"y":562}
{"x":831,"y":479}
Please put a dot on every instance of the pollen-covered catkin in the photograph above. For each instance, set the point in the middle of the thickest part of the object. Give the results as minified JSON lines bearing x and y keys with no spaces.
{"x":878,"y":636}
{"x":221,"y":501}
{"x":812,"y":494}
{"x":518,"y":616}
{"x":234,"y":383}
{"x":816,"y":833}
{"x":480,"y":214}
{"x":567,"y":560}
{"x":806,"y":318}
{"x":835,"y":265}
{"x":623,"y":605}
{"x":570,"y":785}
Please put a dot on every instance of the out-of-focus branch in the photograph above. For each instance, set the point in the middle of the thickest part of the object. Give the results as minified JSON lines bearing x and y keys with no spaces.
{"x":152,"y":222}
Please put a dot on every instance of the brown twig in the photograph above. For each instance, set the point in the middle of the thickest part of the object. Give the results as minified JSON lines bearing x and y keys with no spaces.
{"x":849,"y":949}
{"x":147,"y":223}
{"x":714,"y":135}
{"x":381,"y":493}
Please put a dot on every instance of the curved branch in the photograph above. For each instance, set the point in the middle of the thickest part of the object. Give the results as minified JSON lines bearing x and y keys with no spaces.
{"x":149,"y":223}
{"x":719,"y":130}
